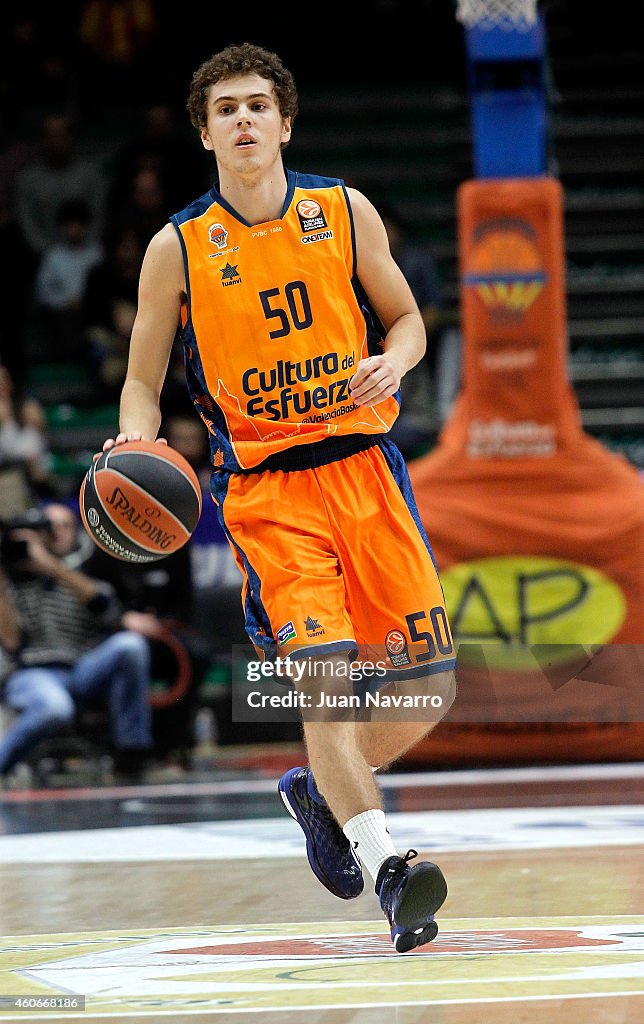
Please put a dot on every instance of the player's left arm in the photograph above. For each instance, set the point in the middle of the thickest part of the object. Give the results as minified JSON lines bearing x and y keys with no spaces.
{"x":378,"y":377}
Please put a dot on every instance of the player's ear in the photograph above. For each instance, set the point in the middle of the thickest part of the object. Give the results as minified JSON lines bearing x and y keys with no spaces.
{"x":205,"y":138}
{"x":286,"y":129}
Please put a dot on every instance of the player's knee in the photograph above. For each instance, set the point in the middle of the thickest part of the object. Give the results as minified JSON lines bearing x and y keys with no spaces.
{"x":326,"y":693}
{"x":431,"y":694}
{"x":445,"y":687}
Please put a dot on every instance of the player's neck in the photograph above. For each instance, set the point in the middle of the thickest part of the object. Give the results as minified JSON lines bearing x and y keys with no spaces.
{"x":256,"y":199}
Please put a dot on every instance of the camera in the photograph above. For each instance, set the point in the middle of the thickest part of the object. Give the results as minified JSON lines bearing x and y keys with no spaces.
{"x":12,"y":550}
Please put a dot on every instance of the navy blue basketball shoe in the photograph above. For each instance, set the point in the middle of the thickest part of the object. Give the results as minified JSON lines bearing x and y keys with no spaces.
{"x":410,"y":896}
{"x":330,"y":854}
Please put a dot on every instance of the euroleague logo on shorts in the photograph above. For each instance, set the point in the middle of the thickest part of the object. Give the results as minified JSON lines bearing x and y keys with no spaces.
{"x":396,"y":645}
{"x":395,"y":641}
{"x":311,"y":216}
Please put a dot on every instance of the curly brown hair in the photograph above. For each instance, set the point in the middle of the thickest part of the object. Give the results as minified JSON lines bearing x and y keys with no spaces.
{"x":242,"y":59}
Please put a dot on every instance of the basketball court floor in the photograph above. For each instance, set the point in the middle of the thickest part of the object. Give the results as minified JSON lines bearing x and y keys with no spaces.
{"x":193,"y":900}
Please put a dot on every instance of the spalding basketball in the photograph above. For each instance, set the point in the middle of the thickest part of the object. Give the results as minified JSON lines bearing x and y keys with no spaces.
{"x":140,"y":501}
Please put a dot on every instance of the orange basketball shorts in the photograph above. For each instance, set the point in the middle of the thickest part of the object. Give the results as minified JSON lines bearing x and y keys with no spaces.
{"x":335,"y":558}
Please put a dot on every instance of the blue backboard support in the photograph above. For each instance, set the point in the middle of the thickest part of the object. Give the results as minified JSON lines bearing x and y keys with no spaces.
{"x":507,"y":76}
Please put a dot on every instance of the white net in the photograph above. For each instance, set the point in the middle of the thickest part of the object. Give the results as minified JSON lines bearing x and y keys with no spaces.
{"x":509,"y":15}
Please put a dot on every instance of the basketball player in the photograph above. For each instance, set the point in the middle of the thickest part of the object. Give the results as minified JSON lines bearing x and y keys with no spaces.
{"x":298,"y":328}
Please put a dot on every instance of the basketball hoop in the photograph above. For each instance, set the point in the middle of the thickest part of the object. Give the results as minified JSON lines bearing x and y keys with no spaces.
{"x":508,"y":15}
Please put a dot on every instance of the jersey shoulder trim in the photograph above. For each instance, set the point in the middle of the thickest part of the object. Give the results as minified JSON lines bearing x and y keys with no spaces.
{"x":195,"y":209}
{"x":311,"y":181}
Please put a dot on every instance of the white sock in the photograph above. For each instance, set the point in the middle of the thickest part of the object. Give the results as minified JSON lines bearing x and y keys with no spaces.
{"x":367,"y":833}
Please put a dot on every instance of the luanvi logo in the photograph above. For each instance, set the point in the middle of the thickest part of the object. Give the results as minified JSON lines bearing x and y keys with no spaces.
{"x":230,"y":275}
{"x":313,"y":627}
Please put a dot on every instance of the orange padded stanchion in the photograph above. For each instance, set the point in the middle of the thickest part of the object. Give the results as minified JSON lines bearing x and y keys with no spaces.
{"x":537,"y":529}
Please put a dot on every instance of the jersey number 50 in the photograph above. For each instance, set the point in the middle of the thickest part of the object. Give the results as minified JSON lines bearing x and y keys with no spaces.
{"x":299,"y":308}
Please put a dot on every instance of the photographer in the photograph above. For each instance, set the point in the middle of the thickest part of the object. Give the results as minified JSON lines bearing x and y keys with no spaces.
{"x":59,"y":625}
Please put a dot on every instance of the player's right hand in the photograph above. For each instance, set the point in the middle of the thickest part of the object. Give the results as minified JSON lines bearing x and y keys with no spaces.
{"x":121,"y":438}
{"x":134,"y":435}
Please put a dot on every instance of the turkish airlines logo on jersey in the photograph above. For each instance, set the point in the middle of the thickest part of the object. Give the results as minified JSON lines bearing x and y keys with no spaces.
{"x":218,"y":235}
{"x":311,"y":216}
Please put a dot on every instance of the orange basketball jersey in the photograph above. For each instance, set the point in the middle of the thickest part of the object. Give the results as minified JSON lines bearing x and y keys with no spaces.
{"x":275,"y":323}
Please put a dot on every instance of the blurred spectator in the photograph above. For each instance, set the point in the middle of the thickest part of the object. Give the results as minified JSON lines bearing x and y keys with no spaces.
{"x":108,"y":348}
{"x":417,"y":264}
{"x":215,"y":573}
{"x":54,"y":175}
{"x":60,"y":626}
{"x":175,"y":398}
{"x":419,"y":267}
{"x":145,"y":209}
{"x":177,"y":159}
{"x":158,"y":601}
{"x":189,"y":436}
{"x":114,"y":279}
{"x":432,"y":385}
{"x":23,"y":436}
{"x":109,"y":308}
{"x":62,"y":277}
{"x":217,"y":613}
